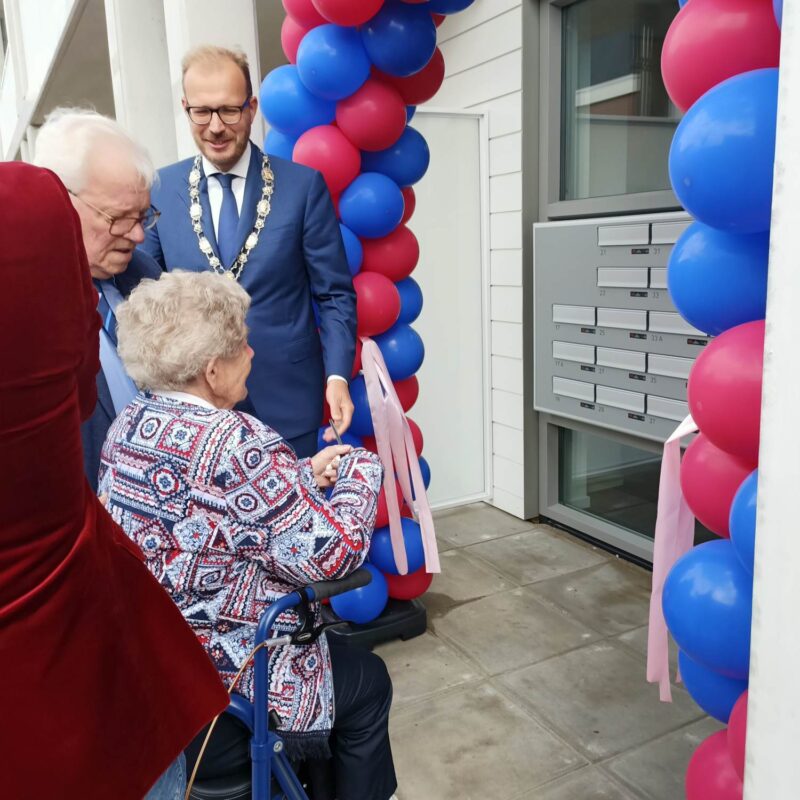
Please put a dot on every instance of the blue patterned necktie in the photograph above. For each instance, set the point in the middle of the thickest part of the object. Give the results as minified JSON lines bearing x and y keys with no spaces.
{"x":105,"y":309}
{"x":228,"y":220}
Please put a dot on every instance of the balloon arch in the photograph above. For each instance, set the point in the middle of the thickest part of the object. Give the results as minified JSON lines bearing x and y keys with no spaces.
{"x":720,"y":66}
{"x":357,"y":71}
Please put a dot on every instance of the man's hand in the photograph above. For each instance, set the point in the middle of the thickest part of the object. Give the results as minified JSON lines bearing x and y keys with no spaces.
{"x":337,"y":393}
{"x":325,"y":464}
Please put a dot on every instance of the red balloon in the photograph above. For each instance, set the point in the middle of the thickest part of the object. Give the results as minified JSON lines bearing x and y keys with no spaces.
{"x":416,"y":435}
{"x":710,"y":478}
{"x":737,"y":733}
{"x":357,"y":359}
{"x":292,"y":34}
{"x":710,"y":774}
{"x":394,"y":256}
{"x":326,"y":148}
{"x":377,"y":303}
{"x":335,"y":200}
{"x":382,"y":517}
{"x":725,"y":389}
{"x":371,"y":444}
{"x":712,"y":40}
{"x":423,"y":85}
{"x":407,"y":392}
{"x":410,"y":199}
{"x":438,"y":19}
{"x":348,"y":12}
{"x":304,"y":13}
{"x":408,"y":587}
{"x":373,"y":117}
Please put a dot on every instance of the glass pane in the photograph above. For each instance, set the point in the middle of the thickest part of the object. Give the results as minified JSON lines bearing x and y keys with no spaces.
{"x":611,"y":481}
{"x":616,"y":120}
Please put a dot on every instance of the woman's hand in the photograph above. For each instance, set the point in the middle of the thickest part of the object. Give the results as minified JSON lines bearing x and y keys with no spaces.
{"x":325,"y":464}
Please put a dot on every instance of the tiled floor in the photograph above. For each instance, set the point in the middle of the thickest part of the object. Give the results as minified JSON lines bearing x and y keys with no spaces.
{"x":530,"y":682}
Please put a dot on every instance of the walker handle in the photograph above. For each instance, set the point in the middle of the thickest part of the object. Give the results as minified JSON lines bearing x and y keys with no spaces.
{"x":319,"y":590}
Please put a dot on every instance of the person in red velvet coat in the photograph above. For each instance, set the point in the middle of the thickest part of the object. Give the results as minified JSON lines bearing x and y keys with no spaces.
{"x":102,"y":683}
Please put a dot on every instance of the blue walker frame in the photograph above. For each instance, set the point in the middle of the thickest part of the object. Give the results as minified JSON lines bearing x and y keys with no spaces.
{"x":267,"y":750}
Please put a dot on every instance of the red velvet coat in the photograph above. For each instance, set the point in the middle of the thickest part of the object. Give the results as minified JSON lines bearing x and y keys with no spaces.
{"x":102,"y":683}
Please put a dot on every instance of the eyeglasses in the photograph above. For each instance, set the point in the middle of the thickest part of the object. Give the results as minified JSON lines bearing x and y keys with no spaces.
{"x":228,"y":115}
{"x":122,"y":226}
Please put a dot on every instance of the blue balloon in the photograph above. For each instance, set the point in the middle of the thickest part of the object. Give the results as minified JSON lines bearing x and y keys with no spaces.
{"x":410,"y":111}
{"x":405,"y":162}
{"x":332,"y":61}
{"x":352,"y":249}
{"x":707,"y":604}
{"x":361,"y":424}
{"x":743,"y":521}
{"x":402,"y":350}
{"x":777,"y":8}
{"x":718,"y":280}
{"x":347,"y":438}
{"x":410,"y":300}
{"x":289,"y":107}
{"x":279,"y":144}
{"x":372,"y":205}
{"x":682,"y":3}
{"x":400,"y":39}
{"x":714,"y":693}
{"x":425,"y":469}
{"x":448,"y":6}
{"x":382,"y":555}
{"x":363,"y":604}
{"x":722,"y":154}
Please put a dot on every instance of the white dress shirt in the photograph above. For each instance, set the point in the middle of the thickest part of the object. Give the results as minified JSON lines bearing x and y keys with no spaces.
{"x":239,"y":170}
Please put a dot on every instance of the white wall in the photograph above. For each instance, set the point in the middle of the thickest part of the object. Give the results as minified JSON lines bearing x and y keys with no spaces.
{"x":482,"y":48}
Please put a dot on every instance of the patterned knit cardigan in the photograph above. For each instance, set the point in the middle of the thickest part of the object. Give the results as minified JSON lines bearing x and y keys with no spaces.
{"x":230,"y":520}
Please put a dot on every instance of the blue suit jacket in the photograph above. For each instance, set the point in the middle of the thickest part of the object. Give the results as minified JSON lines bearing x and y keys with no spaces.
{"x":94,"y":430}
{"x":299,"y":257}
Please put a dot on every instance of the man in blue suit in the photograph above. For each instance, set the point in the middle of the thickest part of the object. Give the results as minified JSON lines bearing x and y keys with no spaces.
{"x":271,"y":225}
{"x":108,"y":176}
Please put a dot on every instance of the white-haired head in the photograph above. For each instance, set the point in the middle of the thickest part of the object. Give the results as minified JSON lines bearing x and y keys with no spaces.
{"x":68,"y":138}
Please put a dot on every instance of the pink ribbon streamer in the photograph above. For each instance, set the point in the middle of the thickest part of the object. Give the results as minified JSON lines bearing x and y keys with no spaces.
{"x":397,"y":454}
{"x":674,"y":537}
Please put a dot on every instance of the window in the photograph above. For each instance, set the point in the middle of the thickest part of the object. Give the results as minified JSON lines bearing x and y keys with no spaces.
{"x":611,"y":481}
{"x":617,"y":121}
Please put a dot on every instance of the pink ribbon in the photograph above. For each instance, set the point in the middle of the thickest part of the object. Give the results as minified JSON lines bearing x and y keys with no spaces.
{"x":397,"y":454}
{"x":674,"y":537}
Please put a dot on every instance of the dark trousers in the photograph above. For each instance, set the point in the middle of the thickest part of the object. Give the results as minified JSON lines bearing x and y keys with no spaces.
{"x":361,"y":767}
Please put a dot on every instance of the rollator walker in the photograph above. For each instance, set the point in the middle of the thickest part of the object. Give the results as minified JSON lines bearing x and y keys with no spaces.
{"x":273,"y":777}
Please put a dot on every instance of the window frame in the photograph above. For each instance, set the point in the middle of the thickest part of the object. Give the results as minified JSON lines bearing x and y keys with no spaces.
{"x":550,"y":92}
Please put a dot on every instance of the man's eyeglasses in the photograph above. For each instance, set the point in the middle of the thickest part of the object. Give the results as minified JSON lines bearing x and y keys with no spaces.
{"x":122,"y":226}
{"x":229,"y":115}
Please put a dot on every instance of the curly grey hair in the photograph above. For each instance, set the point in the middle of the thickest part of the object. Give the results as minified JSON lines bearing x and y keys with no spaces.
{"x":169,"y":329}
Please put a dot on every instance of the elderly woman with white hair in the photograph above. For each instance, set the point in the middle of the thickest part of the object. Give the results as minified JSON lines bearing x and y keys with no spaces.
{"x":230,"y":520}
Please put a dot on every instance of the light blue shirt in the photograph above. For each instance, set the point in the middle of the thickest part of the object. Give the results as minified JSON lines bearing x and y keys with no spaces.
{"x":120,"y":386}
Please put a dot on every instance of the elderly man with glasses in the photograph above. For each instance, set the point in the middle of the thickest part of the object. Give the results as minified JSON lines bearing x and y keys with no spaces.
{"x":269,"y":224}
{"x":108,"y":177}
